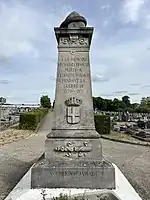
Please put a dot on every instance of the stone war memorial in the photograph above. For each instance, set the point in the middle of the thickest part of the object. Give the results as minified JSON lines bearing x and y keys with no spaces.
{"x":73,"y":151}
{"x":73,"y":162}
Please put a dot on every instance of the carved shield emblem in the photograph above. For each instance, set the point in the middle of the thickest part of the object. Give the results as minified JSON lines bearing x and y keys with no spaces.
{"x":73,"y":110}
{"x":73,"y":115}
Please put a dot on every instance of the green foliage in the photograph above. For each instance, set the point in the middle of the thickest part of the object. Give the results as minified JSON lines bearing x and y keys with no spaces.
{"x":45,"y":101}
{"x":102,"y":124}
{"x":108,"y":104}
{"x":61,"y":197}
{"x":143,"y":109}
{"x":66,"y":197}
{"x":123,"y":105}
{"x":126,"y":100}
{"x":30,"y":120}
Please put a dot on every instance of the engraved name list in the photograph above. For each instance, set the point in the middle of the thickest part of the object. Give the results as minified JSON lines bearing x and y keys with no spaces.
{"x":73,"y":73}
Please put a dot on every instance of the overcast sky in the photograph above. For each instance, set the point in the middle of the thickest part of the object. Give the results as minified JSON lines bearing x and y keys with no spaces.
{"x":120,"y":51}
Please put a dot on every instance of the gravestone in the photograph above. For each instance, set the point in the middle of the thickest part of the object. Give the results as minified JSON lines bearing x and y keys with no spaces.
{"x":141,"y":124}
{"x":125,"y":117}
{"x":147,"y":124}
{"x":73,"y":150}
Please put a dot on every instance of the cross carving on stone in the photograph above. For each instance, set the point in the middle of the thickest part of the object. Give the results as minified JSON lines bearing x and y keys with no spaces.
{"x":73,"y":115}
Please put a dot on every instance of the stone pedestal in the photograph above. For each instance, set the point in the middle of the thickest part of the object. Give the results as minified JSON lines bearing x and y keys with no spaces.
{"x":73,"y":174}
{"x":73,"y":151}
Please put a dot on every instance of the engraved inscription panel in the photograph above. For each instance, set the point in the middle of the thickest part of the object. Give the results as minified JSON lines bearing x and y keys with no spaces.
{"x":73,"y":72}
{"x":73,"y":172}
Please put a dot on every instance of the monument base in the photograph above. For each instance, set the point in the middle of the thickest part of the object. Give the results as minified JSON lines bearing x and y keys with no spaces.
{"x":22,"y":190}
{"x":73,"y":174}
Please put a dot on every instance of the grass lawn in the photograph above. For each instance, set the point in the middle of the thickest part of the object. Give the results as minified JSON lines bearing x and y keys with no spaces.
{"x":125,"y":123}
{"x":123,"y":137}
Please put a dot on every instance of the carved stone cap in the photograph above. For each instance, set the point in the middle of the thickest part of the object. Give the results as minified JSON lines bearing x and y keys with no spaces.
{"x":73,"y":17}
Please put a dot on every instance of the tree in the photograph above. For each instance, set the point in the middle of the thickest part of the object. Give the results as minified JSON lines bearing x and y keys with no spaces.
{"x":143,"y":101}
{"x":144,"y":106}
{"x":116,"y":104}
{"x":123,"y":105}
{"x":126,"y":100}
{"x":45,"y":101}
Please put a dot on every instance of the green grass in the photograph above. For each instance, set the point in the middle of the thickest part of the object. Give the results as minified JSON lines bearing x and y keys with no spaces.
{"x":125,"y":123}
{"x":66,"y":197}
{"x":120,"y":135}
{"x":123,"y":137}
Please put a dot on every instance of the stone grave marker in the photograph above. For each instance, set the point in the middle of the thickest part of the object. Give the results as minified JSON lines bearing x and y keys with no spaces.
{"x":147,"y":124}
{"x":141,"y":124}
{"x":73,"y":150}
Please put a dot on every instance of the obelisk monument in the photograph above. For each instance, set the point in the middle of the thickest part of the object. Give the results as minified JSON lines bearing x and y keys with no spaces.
{"x":73,"y":151}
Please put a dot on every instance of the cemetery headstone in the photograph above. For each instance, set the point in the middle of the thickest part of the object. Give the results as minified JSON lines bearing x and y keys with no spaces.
{"x":124,"y":117}
{"x":147,"y":124}
{"x":141,"y":124}
{"x":73,"y":151}
{"x":141,"y":134}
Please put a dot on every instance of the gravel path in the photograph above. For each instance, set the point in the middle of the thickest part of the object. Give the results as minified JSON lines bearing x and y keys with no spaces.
{"x":134,"y":162}
{"x":17,"y":157}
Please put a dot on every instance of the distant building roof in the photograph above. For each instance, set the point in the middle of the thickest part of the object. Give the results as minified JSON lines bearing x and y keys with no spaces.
{"x":22,"y":105}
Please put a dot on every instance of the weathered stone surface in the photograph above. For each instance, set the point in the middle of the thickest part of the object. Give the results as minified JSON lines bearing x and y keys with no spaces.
{"x":73,"y":102}
{"x":78,"y":174}
{"x":73,"y":148}
{"x":74,"y":117}
{"x":74,"y":20}
{"x":73,"y":139}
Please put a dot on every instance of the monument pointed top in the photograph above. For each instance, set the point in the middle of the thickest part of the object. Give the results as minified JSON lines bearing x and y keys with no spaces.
{"x":73,"y":14}
{"x":73,"y":17}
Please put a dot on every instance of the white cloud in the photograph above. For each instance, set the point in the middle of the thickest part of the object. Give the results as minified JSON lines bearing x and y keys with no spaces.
{"x":124,"y":62}
{"x":133,"y":94}
{"x":98,"y":78}
{"x":131,"y":10}
{"x":147,"y":21}
{"x":105,"y":23}
{"x":16,"y":31}
{"x":28,"y":44}
{"x":28,"y":50}
{"x":106,"y":6}
{"x":21,"y":26}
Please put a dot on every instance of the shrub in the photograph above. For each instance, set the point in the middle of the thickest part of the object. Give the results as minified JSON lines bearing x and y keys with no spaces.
{"x":67,"y":197}
{"x":102,"y":124}
{"x":30,"y":120}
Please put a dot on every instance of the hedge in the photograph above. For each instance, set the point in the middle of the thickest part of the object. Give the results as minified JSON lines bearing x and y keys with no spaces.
{"x":30,"y":120}
{"x":102,"y":124}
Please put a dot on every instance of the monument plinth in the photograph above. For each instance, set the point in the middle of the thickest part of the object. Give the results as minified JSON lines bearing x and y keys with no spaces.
{"x":73,"y":151}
